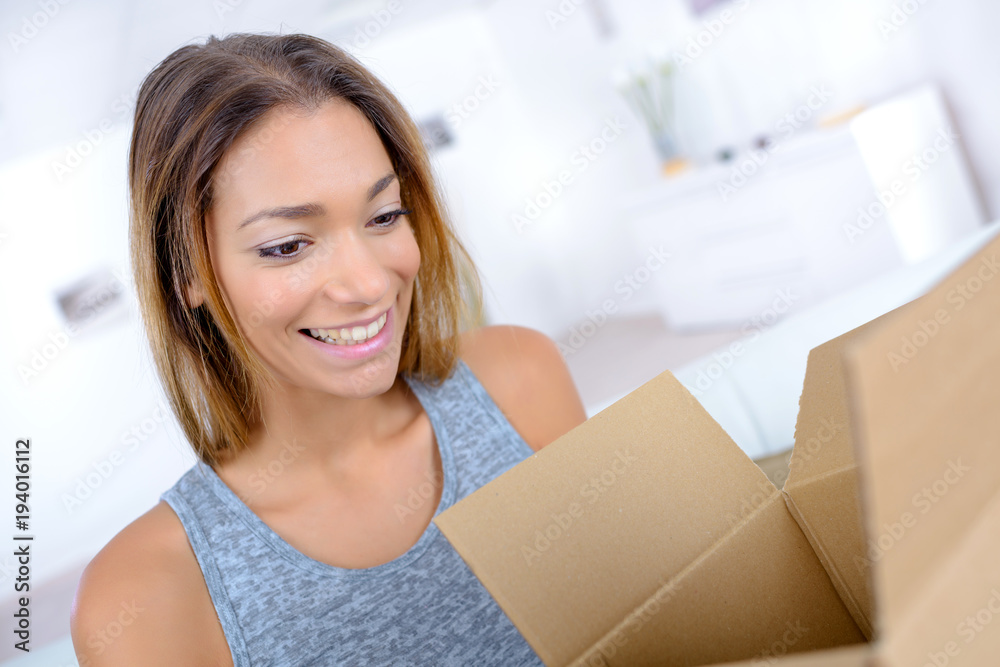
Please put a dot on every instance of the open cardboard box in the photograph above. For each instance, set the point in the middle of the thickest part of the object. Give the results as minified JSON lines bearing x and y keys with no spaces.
{"x":645,"y":536}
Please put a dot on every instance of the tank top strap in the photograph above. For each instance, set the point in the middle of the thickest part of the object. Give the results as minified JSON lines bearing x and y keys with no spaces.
{"x":189,"y":497}
{"x":466,"y":419}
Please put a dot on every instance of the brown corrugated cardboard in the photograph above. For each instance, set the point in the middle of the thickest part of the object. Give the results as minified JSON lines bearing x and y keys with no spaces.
{"x":626,"y":542}
{"x":775,"y":466}
{"x":646,"y":536}
{"x":926,"y":406}
{"x":822,"y":487}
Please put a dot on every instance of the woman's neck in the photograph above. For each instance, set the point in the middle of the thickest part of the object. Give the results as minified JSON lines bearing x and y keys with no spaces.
{"x":308,"y":435}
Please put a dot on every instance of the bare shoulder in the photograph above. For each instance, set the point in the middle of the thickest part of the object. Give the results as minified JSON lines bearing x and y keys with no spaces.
{"x":143,"y":600}
{"x":524,"y":372}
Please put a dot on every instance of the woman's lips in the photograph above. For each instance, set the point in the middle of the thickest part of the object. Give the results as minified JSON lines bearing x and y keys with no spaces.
{"x":365,"y":348}
{"x":349,"y":335}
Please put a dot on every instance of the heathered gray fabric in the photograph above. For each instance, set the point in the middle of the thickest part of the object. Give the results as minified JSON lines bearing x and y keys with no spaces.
{"x":277,"y":606}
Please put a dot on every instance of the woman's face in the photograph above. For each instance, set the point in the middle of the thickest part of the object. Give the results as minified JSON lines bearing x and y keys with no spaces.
{"x":309,"y":240}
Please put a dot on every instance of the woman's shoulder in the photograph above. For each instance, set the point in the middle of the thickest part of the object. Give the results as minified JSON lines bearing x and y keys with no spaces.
{"x":143,"y":600}
{"x":524,"y":372}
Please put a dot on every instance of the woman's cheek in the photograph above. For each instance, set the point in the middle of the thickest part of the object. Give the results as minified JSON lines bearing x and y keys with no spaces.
{"x":262,"y":302}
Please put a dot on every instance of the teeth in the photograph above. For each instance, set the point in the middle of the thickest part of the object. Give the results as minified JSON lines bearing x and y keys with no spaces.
{"x":350,"y":336}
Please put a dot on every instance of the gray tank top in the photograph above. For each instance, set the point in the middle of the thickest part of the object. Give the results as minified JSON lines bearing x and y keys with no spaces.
{"x":277,"y":606}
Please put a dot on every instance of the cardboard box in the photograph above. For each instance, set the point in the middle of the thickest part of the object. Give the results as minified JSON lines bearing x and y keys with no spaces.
{"x":645,"y":536}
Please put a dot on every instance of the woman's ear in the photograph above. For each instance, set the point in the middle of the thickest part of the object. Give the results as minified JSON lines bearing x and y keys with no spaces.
{"x":194,"y":294}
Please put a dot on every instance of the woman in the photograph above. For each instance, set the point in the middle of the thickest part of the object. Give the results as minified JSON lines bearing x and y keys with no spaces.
{"x":301,"y":294}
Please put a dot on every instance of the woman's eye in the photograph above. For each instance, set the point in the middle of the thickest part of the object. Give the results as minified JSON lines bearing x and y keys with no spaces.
{"x":391,"y":218}
{"x":282,"y":250}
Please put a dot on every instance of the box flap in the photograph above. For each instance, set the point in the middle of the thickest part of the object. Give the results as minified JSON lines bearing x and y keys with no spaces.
{"x":822,"y":489}
{"x":925,"y":386}
{"x":956,"y":621}
{"x":646,"y":534}
{"x":760,"y":592}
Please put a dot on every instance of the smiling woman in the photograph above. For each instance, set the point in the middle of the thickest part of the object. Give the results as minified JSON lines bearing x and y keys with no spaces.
{"x":300,"y":290}
{"x":338,"y":197}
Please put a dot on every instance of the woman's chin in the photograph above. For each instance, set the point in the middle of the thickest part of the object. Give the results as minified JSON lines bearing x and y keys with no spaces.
{"x":362,"y":386}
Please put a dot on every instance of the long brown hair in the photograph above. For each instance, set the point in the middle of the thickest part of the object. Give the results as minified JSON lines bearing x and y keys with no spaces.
{"x":190,"y":110}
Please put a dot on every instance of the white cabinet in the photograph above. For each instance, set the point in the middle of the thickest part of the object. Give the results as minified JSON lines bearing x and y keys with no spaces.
{"x":764,"y":235}
{"x":817,"y":213}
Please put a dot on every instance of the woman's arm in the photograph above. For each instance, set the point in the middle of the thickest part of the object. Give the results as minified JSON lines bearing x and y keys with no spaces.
{"x":525,"y":374}
{"x":143,"y":601}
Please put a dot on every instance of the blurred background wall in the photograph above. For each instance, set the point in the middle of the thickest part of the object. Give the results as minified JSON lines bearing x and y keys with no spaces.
{"x":551,"y":177}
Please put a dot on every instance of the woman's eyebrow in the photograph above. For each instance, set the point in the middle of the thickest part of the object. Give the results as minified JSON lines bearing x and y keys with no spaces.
{"x":380,"y":185}
{"x":306,"y":210}
{"x":289,"y":212}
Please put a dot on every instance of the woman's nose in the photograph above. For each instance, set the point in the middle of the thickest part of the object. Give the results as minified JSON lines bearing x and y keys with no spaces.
{"x":354,"y":273}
